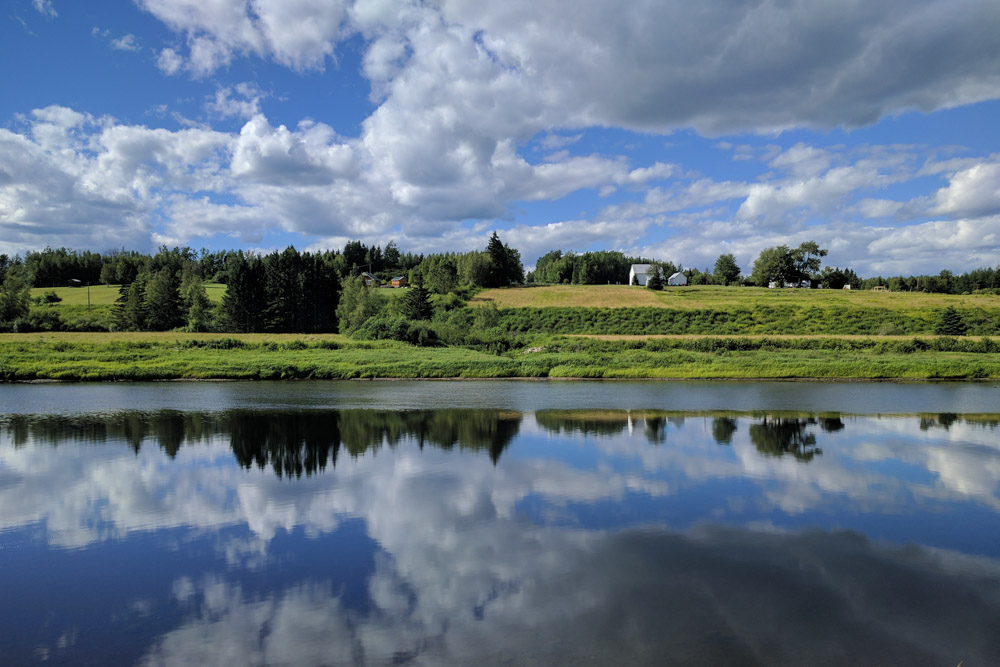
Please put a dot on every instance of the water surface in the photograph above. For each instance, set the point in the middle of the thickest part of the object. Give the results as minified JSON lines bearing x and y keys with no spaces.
{"x":500,"y":522}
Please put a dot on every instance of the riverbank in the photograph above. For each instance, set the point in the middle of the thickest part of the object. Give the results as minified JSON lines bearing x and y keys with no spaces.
{"x":182,"y":356}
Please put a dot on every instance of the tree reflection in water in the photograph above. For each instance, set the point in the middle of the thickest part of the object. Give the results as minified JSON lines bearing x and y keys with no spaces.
{"x":290,"y":443}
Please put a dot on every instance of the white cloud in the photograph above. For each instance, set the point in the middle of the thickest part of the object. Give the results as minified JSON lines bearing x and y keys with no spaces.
{"x":127,"y":42}
{"x":718,"y":68}
{"x":973,"y":191}
{"x":169,"y":61}
{"x":45,"y":8}
{"x":239,"y":101}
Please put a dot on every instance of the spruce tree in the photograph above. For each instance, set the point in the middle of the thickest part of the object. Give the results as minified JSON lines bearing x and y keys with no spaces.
{"x":199,"y":311}
{"x":950,"y":323}
{"x":118,"y":316}
{"x":654,"y":280}
{"x":416,"y":303}
{"x":243,"y":303}
{"x":136,"y":314}
{"x":163,"y":299}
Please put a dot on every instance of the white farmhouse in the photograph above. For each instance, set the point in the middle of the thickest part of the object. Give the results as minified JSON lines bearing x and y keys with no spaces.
{"x":640,"y":273}
{"x":677,"y":279}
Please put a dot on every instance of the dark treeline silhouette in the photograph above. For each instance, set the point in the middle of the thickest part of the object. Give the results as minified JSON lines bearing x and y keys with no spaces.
{"x":290,"y":443}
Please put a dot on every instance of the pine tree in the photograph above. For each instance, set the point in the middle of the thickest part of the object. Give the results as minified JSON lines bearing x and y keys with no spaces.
{"x":136,"y":314}
{"x":243,"y":302}
{"x":416,"y":303}
{"x":950,"y":323}
{"x":163,"y":299}
{"x":118,"y":316}
{"x":283,"y":291}
{"x":199,"y":311}
{"x":506,"y":268}
{"x":654,"y":280}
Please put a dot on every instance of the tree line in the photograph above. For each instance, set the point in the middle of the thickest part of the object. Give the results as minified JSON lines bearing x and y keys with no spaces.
{"x":288,"y":291}
{"x":292,"y":291}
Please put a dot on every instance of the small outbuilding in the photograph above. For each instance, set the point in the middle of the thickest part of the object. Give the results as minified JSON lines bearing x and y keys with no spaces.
{"x":399,"y":281}
{"x":677,"y":279}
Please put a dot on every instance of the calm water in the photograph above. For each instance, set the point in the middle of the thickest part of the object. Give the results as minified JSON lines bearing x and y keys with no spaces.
{"x":500,"y":523}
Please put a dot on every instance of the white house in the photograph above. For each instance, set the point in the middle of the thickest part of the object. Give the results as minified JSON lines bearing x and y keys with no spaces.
{"x":639,"y":272}
{"x":677,"y":279}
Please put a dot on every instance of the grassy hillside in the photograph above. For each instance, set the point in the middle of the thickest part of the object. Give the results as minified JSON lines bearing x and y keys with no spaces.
{"x":720,"y":298}
{"x":736,"y":311}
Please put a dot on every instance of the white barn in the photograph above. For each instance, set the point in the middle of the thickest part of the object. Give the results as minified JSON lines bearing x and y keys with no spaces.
{"x":677,"y":279}
{"x":639,"y":272}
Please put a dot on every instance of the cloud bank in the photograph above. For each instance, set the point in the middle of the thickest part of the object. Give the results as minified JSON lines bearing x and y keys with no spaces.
{"x":478,"y":110}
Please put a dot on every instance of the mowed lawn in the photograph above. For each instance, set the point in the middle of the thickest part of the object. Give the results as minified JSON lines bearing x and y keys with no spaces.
{"x":719,"y":298}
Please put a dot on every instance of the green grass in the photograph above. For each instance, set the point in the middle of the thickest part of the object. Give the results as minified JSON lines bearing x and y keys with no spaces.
{"x":155,"y":356}
{"x":105,"y":295}
{"x":722,"y":298}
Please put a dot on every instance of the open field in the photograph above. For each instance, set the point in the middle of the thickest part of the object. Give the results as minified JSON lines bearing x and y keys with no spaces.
{"x":105,"y":295}
{"x":158,"y":356}
{"x":720,"y":298}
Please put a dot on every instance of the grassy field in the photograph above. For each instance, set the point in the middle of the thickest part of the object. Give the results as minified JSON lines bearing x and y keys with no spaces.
{"x":736,"y":311}
{"x":159,"y":356}
{"x":105,"y":295}
{"x":562,"y":331}
{"x":720,"y":298}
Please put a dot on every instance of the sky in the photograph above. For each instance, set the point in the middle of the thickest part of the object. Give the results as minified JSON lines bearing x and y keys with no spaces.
{"x":669,"y":129}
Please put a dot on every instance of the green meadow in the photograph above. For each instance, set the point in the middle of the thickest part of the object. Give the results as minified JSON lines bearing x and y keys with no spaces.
{"x":163,"y":356}
{"x":626,"y":332}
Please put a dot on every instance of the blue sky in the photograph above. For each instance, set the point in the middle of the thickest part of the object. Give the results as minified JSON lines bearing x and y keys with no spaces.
{"x":668,"y":129}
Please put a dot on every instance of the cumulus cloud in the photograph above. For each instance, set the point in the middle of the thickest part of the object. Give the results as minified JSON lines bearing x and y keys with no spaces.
{"x":169,"y":61}
{"x":973,"y":191}
{"x":465,"y":93}
{"x":742,"y":66}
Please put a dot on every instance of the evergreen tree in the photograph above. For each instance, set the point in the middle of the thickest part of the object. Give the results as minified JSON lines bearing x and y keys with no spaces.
{"x":654,"y":280}
{"x":416,"y":304}
{"x":635,"y":280}
{"x":950,"y":323}
{"x":118,"y":316}
{"x":283,"y":292}
{"x":199,"y":309}
{"x":242,"y":305}
{"x":320,"y":288}
{"x":163,"y":299}
{"x":136,"y":314}
{"x":506,"y":268}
